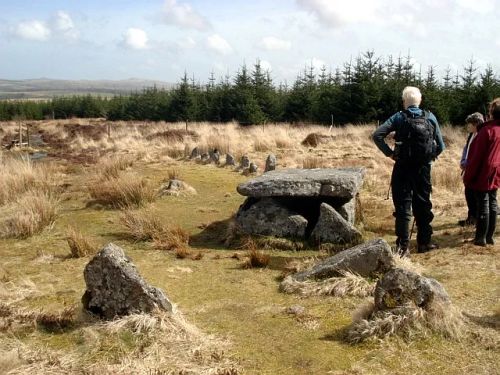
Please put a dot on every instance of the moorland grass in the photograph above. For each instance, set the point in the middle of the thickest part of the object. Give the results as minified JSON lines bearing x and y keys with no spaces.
{"x":244,"y":307}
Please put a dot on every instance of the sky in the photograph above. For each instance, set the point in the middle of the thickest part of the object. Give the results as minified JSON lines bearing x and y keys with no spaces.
{"x":162,"y":39}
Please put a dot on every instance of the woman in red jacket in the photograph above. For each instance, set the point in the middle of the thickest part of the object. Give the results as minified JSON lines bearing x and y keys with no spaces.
{"x":482,"y":174}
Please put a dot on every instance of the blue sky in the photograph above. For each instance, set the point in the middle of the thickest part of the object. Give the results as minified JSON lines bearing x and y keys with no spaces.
{"x":160,"y":39}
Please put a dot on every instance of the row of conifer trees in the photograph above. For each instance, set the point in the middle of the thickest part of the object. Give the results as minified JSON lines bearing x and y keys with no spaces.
{"x":365,"y":90}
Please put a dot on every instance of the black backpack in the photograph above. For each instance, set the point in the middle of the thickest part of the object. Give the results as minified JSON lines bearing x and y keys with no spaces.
{"x":415,"y":140}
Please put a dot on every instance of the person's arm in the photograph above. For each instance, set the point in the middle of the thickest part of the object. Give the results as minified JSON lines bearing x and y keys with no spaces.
{"x":478,"y":152}
{"x":383,"y":131}
{"x":438,"y":137}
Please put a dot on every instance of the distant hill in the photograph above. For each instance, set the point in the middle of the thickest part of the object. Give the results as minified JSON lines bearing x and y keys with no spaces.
{"x":46,"y":88}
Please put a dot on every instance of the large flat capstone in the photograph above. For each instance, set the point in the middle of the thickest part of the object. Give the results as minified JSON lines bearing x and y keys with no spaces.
{"x":328,"y":182}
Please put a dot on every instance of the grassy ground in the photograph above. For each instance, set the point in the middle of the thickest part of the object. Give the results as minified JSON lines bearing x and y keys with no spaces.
{"x":241,"y":306}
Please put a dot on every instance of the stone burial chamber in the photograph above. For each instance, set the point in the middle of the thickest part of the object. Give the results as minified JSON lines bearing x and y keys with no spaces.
{"x":317,"y":204}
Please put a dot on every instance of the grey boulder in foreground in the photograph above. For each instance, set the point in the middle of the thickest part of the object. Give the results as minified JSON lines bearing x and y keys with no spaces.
{"x":115,"y":288}
{"x":368,"y":260}
{"x":403,"y":288}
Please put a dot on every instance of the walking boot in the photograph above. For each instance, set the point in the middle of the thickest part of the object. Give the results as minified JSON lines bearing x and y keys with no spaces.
{"x":424,"y":248}
{"x":490,"y":233}
{"x":481,"y":229}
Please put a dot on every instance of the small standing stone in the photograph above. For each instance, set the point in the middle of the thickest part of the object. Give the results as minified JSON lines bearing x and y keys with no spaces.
{"x":215,"y":156}
{"x":230,"y":160}
{"x":270,"y":163}
{"x":194,"y":153}
{"x":253,"y":168}
{"x":245,"y":162}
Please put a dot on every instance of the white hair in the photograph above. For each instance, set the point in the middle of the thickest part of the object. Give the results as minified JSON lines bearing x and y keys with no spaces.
{"x":411,"y":96}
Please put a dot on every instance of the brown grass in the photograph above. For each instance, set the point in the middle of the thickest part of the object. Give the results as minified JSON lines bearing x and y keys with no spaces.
{"x":110,"y":167}
{"x":174,"y":174}
{"x":172,"y":239}
{"x":406,"y":321}
{"x":311,"y":162}
{"x":20,"y":176}
{"x":143,"y":225}
{"x":348,"y":285}
{"x":79,"y":244}
{"x":30,"y":215}
{"x":126,"y":191}
{"x":255,"y":258}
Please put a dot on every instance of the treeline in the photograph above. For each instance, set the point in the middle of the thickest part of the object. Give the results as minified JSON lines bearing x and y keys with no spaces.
{"x":364,"y":90}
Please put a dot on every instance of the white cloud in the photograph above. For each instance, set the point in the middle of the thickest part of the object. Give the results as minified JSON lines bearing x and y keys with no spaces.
{"x":218,"y":44}
{"x":64,"y":25}
{"x":135,"y":38}
{"x":271,"y":43}
{"x":335,"y":13}
{"x":186,"y":43}
{"x":479,"y":6}
{"x":183,"y":15}
{"x":33,"y":30}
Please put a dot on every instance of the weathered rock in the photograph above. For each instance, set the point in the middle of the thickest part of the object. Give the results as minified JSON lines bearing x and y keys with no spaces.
{"x":368,"y":260}
{"x":295,"y":310}
{"x":348,"y":211}
{"x":215,"y":156}
{"x":194,"y":153}
{"x":205,"y":157}
{"x":176,"y":187}
{"x":244,"y":162}
{"x":270,"y":163}
{"x":269,"y":218}
{"x":230,"y":160}
{"x":115,"y":288}
{"x":333,"y":228}
{"x":403,"y":288}
{"x":342,"y":183}
{"x":252,"y":168}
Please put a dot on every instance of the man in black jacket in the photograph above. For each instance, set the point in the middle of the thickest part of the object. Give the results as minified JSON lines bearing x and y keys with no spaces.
{"x":418,"y":142}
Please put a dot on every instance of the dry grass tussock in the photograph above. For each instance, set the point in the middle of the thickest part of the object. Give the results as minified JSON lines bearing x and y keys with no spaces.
{"x":31,"y":213}
{"x":12,"y":318}
{"x":20,"y":176}
{"x":79,"y":244}
{"x":407,"y":322}
{"x":110,"y":167}
{"x":146,"y":225}
{"x":162,"y":343}
{"x":348,"y":285}
{"x":124,"y":191}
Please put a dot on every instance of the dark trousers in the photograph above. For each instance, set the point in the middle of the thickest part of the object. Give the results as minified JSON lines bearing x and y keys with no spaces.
{"x":470,"y":198}
{"x":411,"y":189}
{"x":486,"y":213}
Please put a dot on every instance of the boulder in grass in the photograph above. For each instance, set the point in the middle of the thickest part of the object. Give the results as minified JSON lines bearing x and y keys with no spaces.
{"x":367,"y":260}
{"x":400,"y":288}
{"x":115,"y":288}
{"x":244,"y":162}
{"x":253,"y":168}
{"x":195,"y":153}
{"x":270,"y":163}
{"x":230,"y":160}
{"x":333,"y":228}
